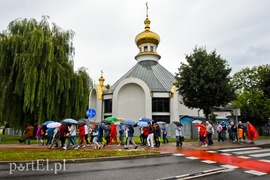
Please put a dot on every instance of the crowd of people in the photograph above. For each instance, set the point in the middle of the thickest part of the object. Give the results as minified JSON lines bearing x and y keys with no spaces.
{"x":100,"y":135}
{"x":150,"y":135}
{"x":236,"y":132}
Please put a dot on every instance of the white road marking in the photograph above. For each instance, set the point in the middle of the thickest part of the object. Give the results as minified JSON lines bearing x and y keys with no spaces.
{"x":258,"y":173}
{"x":244,"y":157}
{"x":190,"y":157}
{"x":254,"y":151}
{"x":260,"y":155}
{"x":229,"y":166}
{"x":226,"y":154}
{"x":178,"y":154}
{"x":239,"y":149}
{"x":209,"y":162}
{"x":212,"y":151}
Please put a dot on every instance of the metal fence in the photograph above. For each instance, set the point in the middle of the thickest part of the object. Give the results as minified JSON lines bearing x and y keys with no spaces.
{"x":13,"y":132}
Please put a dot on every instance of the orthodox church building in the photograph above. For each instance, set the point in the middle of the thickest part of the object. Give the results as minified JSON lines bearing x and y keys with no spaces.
{"x":146,"y":90}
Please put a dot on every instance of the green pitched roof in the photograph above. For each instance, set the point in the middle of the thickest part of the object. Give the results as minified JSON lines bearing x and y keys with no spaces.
{"x":152,"y":73}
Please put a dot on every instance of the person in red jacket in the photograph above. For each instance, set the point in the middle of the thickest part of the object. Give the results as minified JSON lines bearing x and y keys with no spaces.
{"x":81,"y":135}
{"x":113,"y":135}
{"x":145,"y":134}
{"x":252,"y":133}
{"x":62,"y":136}
{"x":202,"y":134}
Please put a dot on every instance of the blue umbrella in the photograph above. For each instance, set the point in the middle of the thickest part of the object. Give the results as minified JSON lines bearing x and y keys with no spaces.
{"x":47,"y":122}
{"x":144,"y":119}
{"x":142,"y":124}
{"x":128,"y":122}
{"x":71,"y":121}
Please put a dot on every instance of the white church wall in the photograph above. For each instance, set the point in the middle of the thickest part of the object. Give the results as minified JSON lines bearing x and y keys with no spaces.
{"x":184,"y":110}
{"x":160,"y":95}
{"x":174,"y":108}
{"x":131,"y":104}
{"x":132,"y":100}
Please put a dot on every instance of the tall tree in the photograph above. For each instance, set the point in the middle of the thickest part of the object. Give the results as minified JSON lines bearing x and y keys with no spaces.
{"x":253,"y":86}
{"x":36,"y":72}
{"x":204,"y":82}
{"x":264,"y":76}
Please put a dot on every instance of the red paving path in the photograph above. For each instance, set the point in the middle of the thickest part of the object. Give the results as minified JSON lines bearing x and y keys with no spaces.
{"x":250,"y":164}
{"x":193,"y":149}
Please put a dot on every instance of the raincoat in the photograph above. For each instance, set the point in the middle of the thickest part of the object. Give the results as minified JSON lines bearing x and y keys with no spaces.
{"x":252,"y":132}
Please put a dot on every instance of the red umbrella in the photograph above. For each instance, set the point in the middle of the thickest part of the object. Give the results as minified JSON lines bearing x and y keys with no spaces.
{"x":200,"y":125}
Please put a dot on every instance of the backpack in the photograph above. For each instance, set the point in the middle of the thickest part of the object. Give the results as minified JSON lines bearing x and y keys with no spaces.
{"x":224,"y":127}
{"x":41,"y":132}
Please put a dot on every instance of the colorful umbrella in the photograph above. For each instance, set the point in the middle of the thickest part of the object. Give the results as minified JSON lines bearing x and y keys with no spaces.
{"x":47,"y":122}
{"x":71,"y":121}
{"x":142,"y":124}
{"x":200,"y":125}
{"x":81,"y":122}
{"x":92,"y":122}
{"x":196,"y":121}
{"x":112,"y":119}
{"x":121,"y":119}
{"x":106,"y":122}
{"x":144,"y":119}
{"x":177,"y":123}
{"x":53,"y":125}
{"x":128,"y":122}
{"x":161,"y":122}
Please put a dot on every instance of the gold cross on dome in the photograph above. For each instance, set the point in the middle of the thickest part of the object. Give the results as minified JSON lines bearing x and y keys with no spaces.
{"x":146,"y":8}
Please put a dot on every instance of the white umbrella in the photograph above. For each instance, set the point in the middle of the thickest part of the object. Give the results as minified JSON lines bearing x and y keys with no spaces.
{"x":54,"y":125}
{"x":161,"y":122}
{"x":71,"y":121}
{"x":142,"y":124}
{"x":196,"y":121}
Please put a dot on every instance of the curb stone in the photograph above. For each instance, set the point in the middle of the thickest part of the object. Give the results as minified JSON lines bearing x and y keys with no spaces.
{"x":86,"y":160}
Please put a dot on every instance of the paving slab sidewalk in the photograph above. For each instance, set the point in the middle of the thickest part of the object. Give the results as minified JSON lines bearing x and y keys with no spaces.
{"x":164,"y":149}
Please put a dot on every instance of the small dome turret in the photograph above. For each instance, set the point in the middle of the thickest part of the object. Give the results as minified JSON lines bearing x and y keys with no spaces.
{"x":147,"y":36}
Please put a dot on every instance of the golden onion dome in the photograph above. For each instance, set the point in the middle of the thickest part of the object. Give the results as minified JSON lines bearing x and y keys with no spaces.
{"x":147,"y":36}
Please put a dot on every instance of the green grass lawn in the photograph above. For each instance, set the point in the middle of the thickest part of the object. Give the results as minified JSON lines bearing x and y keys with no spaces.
{"x":11,"y":155}
{"x":22,"y":154}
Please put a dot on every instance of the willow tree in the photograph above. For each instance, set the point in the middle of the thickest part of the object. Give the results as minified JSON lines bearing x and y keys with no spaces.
{"x":37,"y":76}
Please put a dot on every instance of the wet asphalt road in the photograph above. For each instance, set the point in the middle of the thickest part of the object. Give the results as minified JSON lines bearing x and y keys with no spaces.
{"x":132,"y":169}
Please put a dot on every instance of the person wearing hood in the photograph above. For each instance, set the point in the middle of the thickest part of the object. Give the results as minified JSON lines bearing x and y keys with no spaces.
{"x":252,"y":133}
{"x":28,"y":133}
{"x":113,"y":134}
{"x":39,"y":135}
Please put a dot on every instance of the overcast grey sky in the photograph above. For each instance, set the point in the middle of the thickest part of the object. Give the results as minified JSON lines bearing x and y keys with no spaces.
{"x":239,"y":30}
